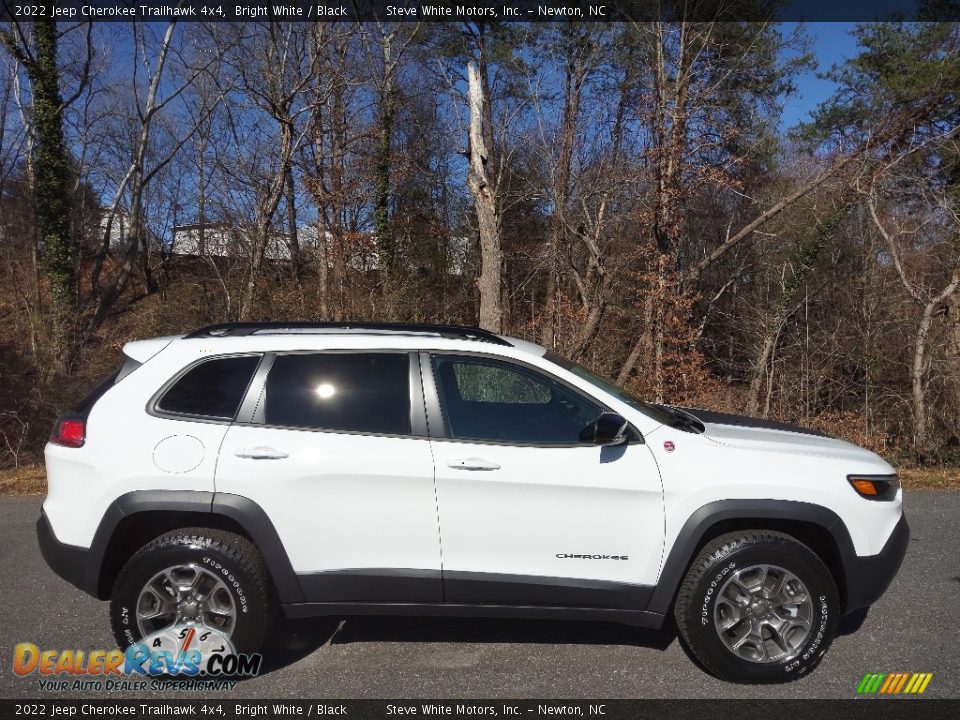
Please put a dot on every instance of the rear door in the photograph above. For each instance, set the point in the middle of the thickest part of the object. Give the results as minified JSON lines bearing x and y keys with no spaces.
{"x":333,"y":448}
{"x":529,"y":515}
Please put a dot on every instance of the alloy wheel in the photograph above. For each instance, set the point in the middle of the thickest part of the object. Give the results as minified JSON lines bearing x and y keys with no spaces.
{"x":763,"y":614}
{"x":185,"y":595}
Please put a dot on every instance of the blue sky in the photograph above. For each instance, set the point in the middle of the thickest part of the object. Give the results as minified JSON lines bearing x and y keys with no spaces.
{"x":831,"y":43}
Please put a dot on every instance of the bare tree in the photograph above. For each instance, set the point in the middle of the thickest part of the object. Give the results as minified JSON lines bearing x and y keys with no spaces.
{"x":483,"y":187}
{"x":685,"y":67}
{"x":329,"y":161}
{"x":901,"y":234}
{"x":691,"y":112}
{"x":579,"y":52}
{"x":144,"y":165}
{"x":274,"y":64}
{"x":796,"y":271}
{"x":639,"y":206}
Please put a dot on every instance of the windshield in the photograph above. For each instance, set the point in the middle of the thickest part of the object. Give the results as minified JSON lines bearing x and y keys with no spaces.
{"x":657,"y":412}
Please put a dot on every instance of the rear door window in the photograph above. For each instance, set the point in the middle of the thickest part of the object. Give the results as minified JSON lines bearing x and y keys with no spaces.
{"x":212,"y":389}
{"x":346,"y":392}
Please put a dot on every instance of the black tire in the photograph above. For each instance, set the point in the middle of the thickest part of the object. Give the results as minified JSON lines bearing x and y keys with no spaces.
{"x":696,"y":604}
{"x":226,"y":554}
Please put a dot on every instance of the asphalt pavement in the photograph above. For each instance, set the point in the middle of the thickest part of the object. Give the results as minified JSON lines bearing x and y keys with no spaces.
{"x":915,"y":627}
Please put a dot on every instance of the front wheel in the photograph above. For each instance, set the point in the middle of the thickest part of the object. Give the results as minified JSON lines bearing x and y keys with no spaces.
{"x":757,"y":607}
{"x":213,"y":581}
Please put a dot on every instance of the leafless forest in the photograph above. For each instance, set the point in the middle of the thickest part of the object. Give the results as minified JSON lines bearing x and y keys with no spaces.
{"x":624,"y":193}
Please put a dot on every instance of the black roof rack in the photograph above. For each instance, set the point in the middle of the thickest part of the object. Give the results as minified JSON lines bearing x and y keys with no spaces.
{"x":243,"y":329}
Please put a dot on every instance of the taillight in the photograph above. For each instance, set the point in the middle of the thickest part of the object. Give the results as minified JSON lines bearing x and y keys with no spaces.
{"x":69,"y":431}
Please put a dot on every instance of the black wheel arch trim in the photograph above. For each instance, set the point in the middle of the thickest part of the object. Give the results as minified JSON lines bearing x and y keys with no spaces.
{"x":255,"y":521}
{"x":241,"y":510}
{"x":857,"y":587}
{"x":124,"y":506}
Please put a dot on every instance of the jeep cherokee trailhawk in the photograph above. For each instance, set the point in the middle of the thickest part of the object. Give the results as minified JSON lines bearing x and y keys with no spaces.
{"x":328,"y":469}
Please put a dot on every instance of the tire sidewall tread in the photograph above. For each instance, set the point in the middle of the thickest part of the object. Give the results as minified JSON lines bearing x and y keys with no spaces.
{"x":231,"y":557}
{"x":697,"y":595}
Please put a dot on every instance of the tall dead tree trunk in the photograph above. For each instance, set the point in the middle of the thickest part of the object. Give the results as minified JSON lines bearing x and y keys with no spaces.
{"x":483,"y":187}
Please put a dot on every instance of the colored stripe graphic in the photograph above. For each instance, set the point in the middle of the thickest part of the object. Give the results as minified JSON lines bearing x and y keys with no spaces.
{"x":894,"y":683}
{"x":900,"y":683}
{"x":870,"y":683}
{"x":889,"y":682}
{"x":922,"y":680}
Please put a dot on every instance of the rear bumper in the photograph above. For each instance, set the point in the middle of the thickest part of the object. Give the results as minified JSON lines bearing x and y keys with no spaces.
{"x":868,"y":578}
{"x":72,"y":563}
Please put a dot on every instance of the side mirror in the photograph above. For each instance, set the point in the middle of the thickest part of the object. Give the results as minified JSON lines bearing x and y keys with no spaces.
{"x":608,"y":429}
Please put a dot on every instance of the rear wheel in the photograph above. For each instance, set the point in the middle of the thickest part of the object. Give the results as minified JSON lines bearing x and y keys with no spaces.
{"x":209,"y":580}
{"x":757,"y":607}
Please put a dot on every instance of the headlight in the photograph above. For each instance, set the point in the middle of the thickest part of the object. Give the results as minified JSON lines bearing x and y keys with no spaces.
{"x":875,"y":487}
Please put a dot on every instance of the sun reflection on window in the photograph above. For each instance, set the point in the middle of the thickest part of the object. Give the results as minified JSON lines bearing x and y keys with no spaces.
{"x":325,"y":391}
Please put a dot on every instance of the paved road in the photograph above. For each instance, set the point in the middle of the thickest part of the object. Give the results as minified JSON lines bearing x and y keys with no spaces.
{"x":914,"y":628}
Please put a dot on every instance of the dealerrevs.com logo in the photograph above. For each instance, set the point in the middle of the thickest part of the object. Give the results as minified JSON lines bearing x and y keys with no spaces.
{"x":190,"y":663}
{"x":894,"y":683}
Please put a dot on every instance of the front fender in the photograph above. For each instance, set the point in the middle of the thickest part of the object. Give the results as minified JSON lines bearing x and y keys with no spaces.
{"x":698,"y":525}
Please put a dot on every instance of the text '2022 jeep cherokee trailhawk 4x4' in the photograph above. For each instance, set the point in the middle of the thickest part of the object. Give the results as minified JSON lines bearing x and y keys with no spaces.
{"x":414,"y":469}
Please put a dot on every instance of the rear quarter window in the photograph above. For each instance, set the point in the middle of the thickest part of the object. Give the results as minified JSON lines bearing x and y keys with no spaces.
{"x":212,"y":389}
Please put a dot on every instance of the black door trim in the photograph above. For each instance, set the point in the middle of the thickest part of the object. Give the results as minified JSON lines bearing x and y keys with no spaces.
{"x":404,"y":585}
{"x":498,"y":589}
{"x":409,"y":585}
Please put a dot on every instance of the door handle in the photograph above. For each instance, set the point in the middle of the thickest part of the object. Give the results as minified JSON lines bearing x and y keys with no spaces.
{"x":473,"y":463}
{"x":260,"y":453}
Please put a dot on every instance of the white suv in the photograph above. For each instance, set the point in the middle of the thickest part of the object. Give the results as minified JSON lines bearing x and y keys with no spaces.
{"x":331,"y":469}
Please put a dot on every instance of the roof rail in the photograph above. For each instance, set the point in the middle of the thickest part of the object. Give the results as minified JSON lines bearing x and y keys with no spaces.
{"x":243,"y":329}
